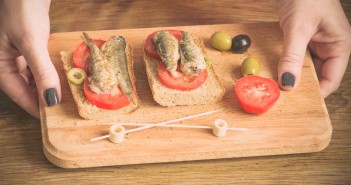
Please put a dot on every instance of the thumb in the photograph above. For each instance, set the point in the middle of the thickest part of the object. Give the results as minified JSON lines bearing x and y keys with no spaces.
{"x":44,"y":72}
{"x":292,"y":57}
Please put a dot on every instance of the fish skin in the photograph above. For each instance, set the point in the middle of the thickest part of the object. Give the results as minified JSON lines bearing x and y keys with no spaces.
{"x":102,"y":78}
{"x":192,"y":60}
{"x":115,"y":51}
{"x":168,"y":48}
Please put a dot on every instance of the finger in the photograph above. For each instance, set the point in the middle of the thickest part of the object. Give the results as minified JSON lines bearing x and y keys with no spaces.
{"x":19,"y":92}
{"x":21,"y":63}
{"x":25,"y":72}
{"x":318,"y":64}
{"x":331,"y":75}
{"x":22,"y":68}
{"x":330,"y":64}
{"x":292,"y":57}
{"x":47,"y":81}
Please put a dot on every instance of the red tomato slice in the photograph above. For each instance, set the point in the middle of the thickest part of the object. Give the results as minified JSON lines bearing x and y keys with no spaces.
{"x":150,"y":47}
{"x":81,"y":55}
{"x":182,"y":82}
{"x":256,"y":94}
{"x":105,"y":101}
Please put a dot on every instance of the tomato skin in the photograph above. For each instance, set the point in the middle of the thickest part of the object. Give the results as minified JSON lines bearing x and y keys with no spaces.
{"x":256,"y":94}
{"x":183,"y":83}
{"x":105,"y":101}
{"x":150,"y":47}
{"x":82,"y":54}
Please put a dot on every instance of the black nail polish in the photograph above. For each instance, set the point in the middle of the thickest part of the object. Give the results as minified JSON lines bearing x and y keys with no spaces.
{"x":288,"y":79}
{"x":51,"y":96}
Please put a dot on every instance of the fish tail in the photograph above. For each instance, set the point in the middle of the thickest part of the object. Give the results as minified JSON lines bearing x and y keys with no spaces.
{"x":87,"y":39}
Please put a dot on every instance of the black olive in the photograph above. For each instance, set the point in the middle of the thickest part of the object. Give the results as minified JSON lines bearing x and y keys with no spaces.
{"x":241,"y":43}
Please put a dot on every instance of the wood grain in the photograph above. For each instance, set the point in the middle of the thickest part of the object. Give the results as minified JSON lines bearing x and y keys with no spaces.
{"x":22,"y":160}
{"x":290,"y":127}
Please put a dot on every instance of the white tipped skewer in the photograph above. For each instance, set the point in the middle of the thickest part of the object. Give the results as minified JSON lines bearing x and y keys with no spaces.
{"x":172,"y":121}
{"x":158,"y":124}
{"x":99,"y":138}
{"x":219,"y":127}
{"x":178,"y":126}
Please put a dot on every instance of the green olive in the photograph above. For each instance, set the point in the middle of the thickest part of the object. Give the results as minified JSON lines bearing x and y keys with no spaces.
{"x":221,"y":41}
{"x":250,"y":66}
{"x":76,"y":76}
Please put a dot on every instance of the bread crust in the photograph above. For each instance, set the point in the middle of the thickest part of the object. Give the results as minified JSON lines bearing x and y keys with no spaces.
{"x":87,"y":110}
{"x":210,"y":92}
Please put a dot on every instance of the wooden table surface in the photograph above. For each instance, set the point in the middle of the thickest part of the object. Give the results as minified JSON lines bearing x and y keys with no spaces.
{"x":21,"y":151}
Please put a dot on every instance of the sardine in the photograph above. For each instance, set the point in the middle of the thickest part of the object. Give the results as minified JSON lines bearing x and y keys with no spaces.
{"x":192,"y":60}
{"x":168,"y":48}
{"x":115,"y":51}
{"x":102,"y":78}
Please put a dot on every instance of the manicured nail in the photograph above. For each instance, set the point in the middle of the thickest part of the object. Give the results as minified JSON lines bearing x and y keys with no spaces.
{"x":51,"y":97}
{"x":288,"y":79}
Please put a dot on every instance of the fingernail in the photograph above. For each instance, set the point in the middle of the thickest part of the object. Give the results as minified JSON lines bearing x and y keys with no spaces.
{"x":288,"y":79}
{"x":51,"y":97}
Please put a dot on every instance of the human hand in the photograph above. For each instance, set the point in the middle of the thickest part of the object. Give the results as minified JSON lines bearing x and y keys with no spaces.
{"x":26,"y":70}
{"x":324,"y":28}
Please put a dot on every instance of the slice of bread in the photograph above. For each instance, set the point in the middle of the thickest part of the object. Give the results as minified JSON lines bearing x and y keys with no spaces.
{"x":210,"y":92}
{"x":87,"y":110}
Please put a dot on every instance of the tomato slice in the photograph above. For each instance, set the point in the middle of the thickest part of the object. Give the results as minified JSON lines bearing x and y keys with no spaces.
{"x":150,"y":47}
{"x":105,"y":101}
{"x":256,"y":94}
{"x":181,"y":82}
{"x":81,"y":55}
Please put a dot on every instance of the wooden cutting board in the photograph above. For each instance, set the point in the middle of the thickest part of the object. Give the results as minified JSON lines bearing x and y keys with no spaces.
{"x":298,"y":123}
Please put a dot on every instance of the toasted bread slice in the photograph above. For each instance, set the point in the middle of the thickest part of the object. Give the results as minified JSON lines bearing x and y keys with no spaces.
{"x":210,"y":92}
{"x":87,"y":110}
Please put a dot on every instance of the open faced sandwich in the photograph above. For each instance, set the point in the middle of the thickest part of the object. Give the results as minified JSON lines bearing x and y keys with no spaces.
{"x":101,"y":77}
{"x":178,"y":71}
